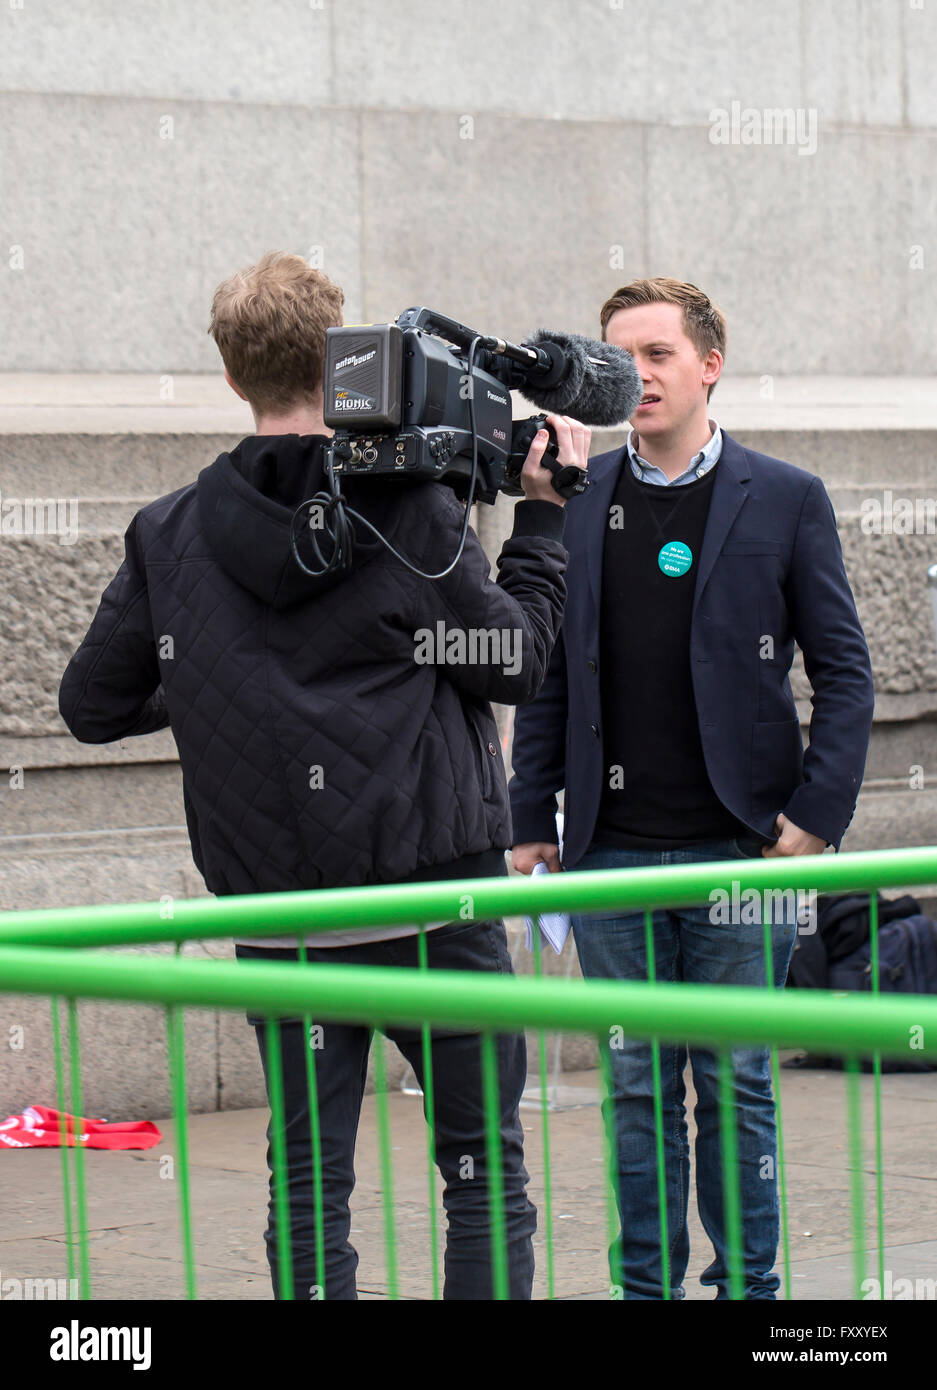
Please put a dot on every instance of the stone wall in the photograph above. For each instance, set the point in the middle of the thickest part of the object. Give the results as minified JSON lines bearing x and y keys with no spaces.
{"x":504,"y":163}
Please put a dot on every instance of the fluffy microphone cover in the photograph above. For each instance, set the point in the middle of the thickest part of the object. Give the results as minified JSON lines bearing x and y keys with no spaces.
{"x":593,"y":393}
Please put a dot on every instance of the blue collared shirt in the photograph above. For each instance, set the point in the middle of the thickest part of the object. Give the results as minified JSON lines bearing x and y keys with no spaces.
{"x":700,"y":464}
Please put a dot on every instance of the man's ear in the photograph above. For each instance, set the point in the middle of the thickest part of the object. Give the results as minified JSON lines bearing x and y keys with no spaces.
{"x":234,"y":386}
{"x":712,"y":367}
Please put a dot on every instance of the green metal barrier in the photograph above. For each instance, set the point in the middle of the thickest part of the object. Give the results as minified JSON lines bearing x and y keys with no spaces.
{"x":279,"y":914}
{"x":33,"y":961}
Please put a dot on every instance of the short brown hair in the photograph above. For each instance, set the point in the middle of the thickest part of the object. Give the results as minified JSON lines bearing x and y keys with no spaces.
{"x":703,"y":323}
{"x":269,"y":322}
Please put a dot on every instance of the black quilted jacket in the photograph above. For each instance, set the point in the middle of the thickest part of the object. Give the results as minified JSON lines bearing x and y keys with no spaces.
{"x":315,"y":750}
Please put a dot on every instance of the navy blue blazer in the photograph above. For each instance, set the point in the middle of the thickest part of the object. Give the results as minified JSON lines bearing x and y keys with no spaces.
{"x":770,"y":566}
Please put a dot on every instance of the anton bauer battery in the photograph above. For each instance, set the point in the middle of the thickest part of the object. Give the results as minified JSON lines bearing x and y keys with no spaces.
{"x":363,"y":377}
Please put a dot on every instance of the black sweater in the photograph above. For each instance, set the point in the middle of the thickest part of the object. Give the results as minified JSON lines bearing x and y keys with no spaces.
{"x":657,"y":792}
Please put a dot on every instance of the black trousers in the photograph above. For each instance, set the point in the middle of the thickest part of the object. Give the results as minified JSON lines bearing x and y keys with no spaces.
{"x":340,"y":1053}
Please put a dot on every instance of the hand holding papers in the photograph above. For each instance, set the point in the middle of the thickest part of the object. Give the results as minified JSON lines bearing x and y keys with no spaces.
{"x":554,"y":926}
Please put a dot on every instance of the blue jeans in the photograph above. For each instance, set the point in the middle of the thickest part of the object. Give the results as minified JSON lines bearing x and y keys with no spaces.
{"x":688,"y":946}
{"x":341,"y":1062}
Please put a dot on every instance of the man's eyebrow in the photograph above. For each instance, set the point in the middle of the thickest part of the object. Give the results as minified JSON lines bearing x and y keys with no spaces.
{"x":649,"y":347}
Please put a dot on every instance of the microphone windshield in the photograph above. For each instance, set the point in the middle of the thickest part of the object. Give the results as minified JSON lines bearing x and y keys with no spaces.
{"x":600,"y":385}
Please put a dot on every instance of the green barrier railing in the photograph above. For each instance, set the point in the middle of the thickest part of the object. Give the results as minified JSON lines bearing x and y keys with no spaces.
{"x":718,"y":1019}
{"x":279,"y":914}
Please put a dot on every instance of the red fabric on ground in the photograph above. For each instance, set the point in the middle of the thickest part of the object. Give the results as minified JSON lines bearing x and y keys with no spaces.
{"x":41,"y":1128}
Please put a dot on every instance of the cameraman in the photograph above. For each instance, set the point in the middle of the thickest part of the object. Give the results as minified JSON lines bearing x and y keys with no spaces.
{"x":316,"y":752}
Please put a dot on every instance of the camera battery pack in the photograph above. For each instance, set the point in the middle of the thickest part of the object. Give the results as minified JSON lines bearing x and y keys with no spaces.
{"x":363,"y":378}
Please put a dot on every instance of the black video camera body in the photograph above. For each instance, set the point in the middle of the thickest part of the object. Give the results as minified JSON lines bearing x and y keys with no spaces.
{"x":423,"y":398}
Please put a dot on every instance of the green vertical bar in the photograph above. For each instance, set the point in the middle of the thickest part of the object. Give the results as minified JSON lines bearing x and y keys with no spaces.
{"x":658,"y":1119}
{"x":315,"y":1136}
{"x":429,"y":1108}
{"x":545,"y":1125}
{"x":77,"y":1108}
{"x":877,"y":1100}
{"x":492,"y":1102}
{"x":278,"y":1153}
{"x":854,"y":1130}
{"x":315,"y":1139}
{"x":387,"y":1172}
{"x":615,"y":1240}
{"x":175,"y":1040}
{"x":732,"y":1205}
{"x":776,"y":1085}
{"x":63,"y":1136}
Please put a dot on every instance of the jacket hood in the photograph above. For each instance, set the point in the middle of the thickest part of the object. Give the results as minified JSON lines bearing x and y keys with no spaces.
{"x":246,"y":504}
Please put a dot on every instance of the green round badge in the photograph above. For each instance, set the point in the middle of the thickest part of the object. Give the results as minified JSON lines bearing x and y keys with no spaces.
{"x":675,"y":559}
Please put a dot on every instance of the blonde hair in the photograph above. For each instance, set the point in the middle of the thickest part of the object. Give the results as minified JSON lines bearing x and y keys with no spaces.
{"x":269,"y":323}
{"x":703,"y":323}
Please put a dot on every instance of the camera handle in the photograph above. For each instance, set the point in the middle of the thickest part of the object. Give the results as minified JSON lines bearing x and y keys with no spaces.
{"x":568,"y":480}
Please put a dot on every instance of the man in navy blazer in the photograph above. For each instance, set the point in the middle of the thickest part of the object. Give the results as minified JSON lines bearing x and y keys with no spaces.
{"x":668,"y":718}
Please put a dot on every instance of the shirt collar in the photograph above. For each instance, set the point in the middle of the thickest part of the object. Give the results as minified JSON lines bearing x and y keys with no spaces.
{"x":699,"y":465}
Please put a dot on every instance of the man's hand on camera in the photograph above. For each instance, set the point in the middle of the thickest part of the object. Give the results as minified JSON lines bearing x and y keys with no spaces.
{"x":573,"y":439}
{"x":524,"y":857}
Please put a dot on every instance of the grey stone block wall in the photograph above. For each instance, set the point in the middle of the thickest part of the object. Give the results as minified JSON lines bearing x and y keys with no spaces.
{"x":864,"y":63}
{"x":814,"y":267}
{"x":505,"y":163}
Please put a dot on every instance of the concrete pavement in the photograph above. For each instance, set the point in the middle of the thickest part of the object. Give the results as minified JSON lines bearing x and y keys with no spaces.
{"x":135,"y":1246}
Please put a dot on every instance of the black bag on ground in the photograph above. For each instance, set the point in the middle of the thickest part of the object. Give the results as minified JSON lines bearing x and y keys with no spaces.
{"x":839,"y":956}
